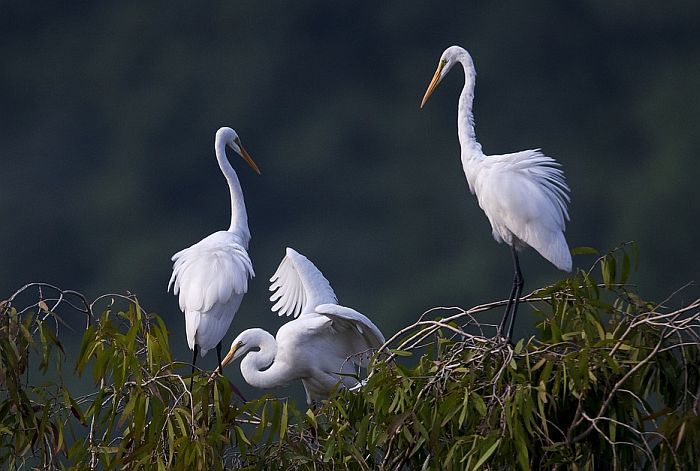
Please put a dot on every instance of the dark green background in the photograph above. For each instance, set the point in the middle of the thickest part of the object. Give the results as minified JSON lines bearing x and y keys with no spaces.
{"x":109,"y":110}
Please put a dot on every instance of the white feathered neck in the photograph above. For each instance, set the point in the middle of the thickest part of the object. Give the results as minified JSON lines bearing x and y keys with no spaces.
{"x":239,"y":216}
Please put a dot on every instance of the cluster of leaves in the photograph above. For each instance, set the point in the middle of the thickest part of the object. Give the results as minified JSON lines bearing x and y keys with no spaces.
{"x":142,"y":413}
{"x":609,"y":381}
{"x":33,"y":417}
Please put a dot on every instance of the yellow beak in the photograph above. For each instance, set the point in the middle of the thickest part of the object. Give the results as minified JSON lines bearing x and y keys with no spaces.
{"x":230,"y":355}
{"x":433,"y":83}
{"x":228,"y":358}
{"x":249,"y":160}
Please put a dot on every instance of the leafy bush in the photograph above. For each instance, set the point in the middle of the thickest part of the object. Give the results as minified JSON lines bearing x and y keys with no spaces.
{"x":610,"y":381}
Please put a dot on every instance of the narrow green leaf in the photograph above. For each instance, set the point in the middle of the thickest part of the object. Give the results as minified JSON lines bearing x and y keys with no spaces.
{"x":283,"y":421}
{"x":479,"y":404}
{"x":487,"y":454}
{"x":128,"y":409}
{"x":312,"y":418}
{"x":465,"y":401}
{"x":582,"y":250}
{"x":241,"y":434}
{"x":608,"y":269}
{"x":625,"y":268}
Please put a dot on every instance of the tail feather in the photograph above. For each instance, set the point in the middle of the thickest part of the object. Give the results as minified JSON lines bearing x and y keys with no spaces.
{"x":556,"y":251}
{"x":192,"y":319}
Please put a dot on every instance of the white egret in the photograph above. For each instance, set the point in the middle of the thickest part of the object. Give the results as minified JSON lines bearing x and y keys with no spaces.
{"x":212,"y":275}
{"x":322,"y":346}
{"x":524,"y":194}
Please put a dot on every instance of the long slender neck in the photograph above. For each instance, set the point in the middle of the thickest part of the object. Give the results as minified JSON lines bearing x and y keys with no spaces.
{"x":259,"y":369}
{"x":465,"y":118}
{"x":239,"y":216}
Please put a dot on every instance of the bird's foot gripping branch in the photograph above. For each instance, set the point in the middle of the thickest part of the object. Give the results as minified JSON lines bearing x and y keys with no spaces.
{"x":608,"y":380}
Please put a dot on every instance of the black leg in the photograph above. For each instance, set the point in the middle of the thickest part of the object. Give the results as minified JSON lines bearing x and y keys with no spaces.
{"x":505,"y":328}
{"x":218,"y":356}
{"x":519,"y":282}
{"x":502,"y":325}
{"x":194,"y":361}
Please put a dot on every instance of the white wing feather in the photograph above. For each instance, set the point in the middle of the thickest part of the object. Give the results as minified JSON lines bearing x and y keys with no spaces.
{"x":210,"y":279}
{"x":210,"y":272}
{"x":525,"y":195}
{"x":364,"y":337}
{"x":298,"y":286}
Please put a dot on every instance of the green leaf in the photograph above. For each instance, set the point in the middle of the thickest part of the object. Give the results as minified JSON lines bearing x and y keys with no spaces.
{"x":73,"y":407}
{"x":519,"y":347}
{"x":479,"y":404}
{"x":608,"y":270}
{"x":171,"y":441}
{"x":582,"y":250}
{"x":312,"y":418}
{"x":128,"y":409}
{"x":465,"y":401}
{"x":625,"y":268}
{"x":241,"y":434}
{"x":401,"y":353}
{"x":283,"y":421}
{"x":487,"y":454}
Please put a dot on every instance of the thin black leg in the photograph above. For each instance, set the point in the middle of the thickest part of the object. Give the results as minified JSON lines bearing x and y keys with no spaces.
{"x":218,"y":356}
{"x":519,"y":282}
{"x":194,"y":361}
{"x":502,"y":325}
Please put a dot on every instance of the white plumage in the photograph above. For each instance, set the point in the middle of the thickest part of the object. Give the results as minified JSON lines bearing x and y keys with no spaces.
{"x":211,"y":277}
{"x":324,"y":344}
{"x":524,"y":194}
{"x":299,"y":286}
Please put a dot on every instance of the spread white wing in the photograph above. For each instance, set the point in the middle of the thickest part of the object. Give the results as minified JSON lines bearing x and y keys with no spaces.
{"x":299,"y":286}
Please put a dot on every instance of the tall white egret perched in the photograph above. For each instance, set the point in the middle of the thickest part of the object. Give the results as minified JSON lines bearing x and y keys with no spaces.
{"x":524,"y":194}
{"x":211,"y":276}
{"x":321,"y":346}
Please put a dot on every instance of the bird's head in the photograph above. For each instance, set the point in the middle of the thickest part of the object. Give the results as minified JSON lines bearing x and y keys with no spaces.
{"x":230,"y":138}
{"x":244,"y":342}
{"x":238,"y":349}
{"x":448,"y":59}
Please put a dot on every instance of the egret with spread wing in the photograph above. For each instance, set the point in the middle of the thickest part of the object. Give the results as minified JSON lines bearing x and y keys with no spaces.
{"x":524,"y":194}
{"x":322,"y":346}
{"x":211,"y":276}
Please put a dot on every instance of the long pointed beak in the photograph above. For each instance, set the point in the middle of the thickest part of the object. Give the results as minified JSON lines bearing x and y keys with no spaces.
{"x":227,"y":359}
{"x":230,"y":355}
{"x":433,"y":84}
{"x":249,"y":160}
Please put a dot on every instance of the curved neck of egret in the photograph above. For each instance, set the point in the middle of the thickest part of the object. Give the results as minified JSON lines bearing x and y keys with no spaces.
{"x":465,"y":117}
{"x":259,"y":368}
{"x":239,"y":217}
